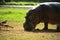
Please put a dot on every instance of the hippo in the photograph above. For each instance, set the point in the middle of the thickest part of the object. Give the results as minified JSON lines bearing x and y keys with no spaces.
{"x":46,"y":12}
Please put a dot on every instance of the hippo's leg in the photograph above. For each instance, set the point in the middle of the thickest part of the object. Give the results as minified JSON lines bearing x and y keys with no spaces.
{"x":45,"y":23}
{"x":58,"y":27}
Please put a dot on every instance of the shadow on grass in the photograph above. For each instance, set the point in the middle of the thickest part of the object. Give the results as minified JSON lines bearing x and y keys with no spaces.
{"x":4,"y":30}
{"x":35,"y":31}
{"x":49,"y":30}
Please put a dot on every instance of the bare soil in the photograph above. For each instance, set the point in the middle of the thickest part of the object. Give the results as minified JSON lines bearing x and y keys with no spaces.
{"x":18,"y":33}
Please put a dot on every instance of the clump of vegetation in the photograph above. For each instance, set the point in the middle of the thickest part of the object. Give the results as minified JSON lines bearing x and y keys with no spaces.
{"x":21,"y":3}
{"x":12,"y":14}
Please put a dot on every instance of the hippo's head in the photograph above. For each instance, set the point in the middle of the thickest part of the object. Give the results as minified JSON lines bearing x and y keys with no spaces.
{"x":32,"y":18}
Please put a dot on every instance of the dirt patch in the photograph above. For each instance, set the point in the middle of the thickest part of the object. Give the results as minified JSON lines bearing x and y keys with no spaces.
{"x":18,"y":26}
{"x":12,"y":25}
{"x":18,"y":33}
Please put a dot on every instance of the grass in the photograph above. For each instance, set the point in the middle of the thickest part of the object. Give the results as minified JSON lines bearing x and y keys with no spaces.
{"x":16,"y":19}
{"x":12,"y":14}
{"x":29,"y":36}
{"x":22,"y":3}
{"x":17,"y":33}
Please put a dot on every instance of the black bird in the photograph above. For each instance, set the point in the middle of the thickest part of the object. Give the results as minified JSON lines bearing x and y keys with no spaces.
{"x":4,"y":22}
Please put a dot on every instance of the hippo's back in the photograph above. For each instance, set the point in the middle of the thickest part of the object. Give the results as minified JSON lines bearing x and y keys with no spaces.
{"x":51,"y":10}
{"x":50,"y":4}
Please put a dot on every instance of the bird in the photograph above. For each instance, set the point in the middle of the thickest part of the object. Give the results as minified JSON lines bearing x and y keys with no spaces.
{"x":8,"y":26}
{"x":3,"y":22}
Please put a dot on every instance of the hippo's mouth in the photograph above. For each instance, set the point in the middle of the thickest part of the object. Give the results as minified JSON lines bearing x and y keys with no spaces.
{"x":28,"y":26}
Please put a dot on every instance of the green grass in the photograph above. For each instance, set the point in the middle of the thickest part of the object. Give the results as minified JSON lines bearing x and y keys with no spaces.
{"x":22,"y":3}
{"x":17,"y":33}
{"x":12,"y":14}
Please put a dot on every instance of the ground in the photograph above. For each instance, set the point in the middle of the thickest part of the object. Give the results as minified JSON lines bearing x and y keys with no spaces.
{"x":17,"y":33}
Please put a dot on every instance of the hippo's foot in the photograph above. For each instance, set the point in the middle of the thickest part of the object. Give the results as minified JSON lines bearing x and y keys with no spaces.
{"x":58,"y":28}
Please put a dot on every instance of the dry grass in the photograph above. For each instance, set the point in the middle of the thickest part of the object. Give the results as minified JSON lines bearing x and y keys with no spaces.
{"x":17,"y":33}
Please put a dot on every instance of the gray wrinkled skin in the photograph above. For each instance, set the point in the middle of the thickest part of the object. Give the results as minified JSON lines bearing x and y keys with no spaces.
{"x":48,"y":12}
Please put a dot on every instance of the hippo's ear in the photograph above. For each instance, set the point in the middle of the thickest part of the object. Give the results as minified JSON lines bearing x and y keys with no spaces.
{"x":33,"y":12}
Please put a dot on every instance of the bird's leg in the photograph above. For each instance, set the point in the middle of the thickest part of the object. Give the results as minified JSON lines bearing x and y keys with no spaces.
{"x":0,"y":28}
